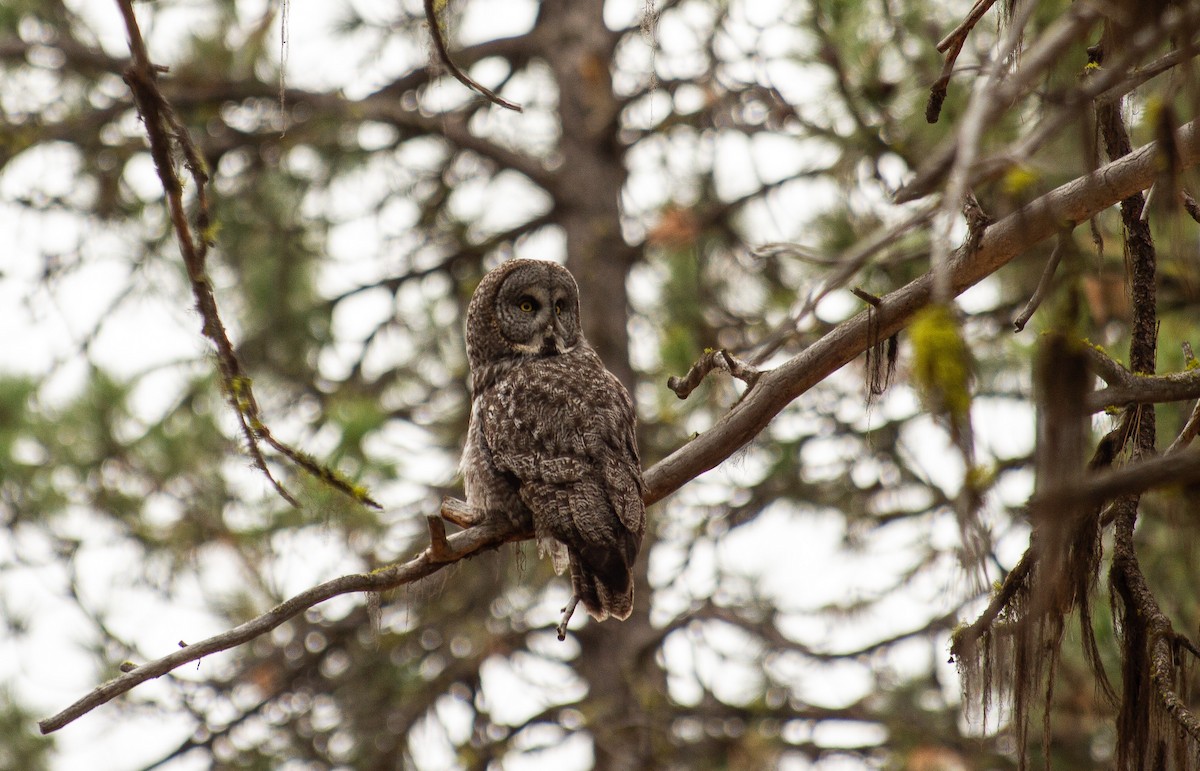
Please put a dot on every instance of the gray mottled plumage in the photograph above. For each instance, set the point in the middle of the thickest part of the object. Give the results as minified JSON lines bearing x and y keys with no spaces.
{"x":551,"y":443}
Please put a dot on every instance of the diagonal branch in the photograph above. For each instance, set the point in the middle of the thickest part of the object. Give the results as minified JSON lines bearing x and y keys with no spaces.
{"x":1038,"y":220}
{"x":451,"y":549}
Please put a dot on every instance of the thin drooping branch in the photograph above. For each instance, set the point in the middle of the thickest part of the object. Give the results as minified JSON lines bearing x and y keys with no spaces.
{"x":1112,"y":81}
{"x":975,"y":121}
{"x":439,"y":45}
{"x":772,"y":392}
{"x":951,"y":46}
{"x":167,"y":135}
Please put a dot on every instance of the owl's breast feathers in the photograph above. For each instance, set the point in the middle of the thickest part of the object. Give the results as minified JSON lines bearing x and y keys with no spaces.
{"x":562,"y":429}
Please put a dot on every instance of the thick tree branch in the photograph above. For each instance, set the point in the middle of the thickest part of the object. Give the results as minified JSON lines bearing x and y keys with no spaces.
{"x":1073,"y":202}
{"x":1126,"y":387}
{"x":1180,"y":468}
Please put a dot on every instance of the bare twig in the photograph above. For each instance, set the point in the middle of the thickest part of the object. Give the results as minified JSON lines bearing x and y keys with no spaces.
{"x":1043,"y":287}
{"x":846,"y":265}
{"x":439,"y":548}
{"x":439,"y":45}
{"x":567,"y":612}
{"x":1190,"y":206}
{"x":952,"y":45}
{"x":865,"y":296}
{"x":711,"y":360}
{"x":1192,"y":427}
{"x":1144,"y":215}
{"x":1188,"y":433}
{"x":964,"y":28}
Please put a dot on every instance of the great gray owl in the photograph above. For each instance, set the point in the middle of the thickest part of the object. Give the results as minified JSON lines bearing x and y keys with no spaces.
{"x":551,"y":442}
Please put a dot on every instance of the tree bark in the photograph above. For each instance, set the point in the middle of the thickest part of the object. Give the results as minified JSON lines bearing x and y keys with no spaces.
{"x":589,"y":180}
{"x":587,"y":188}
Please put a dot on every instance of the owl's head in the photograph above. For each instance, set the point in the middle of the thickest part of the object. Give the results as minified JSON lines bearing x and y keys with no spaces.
{"x":523,"y":308}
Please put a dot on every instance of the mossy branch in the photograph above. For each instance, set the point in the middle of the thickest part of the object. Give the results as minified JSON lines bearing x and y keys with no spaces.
{"x":167,"y":136}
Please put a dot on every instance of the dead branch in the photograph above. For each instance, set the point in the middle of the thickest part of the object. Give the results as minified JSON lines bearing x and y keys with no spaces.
{"x":1043,"y":287}
{"x":167,"y":134}
{"x":439,"y":45}
{"x":458,"y":546}
{"x":713,"y":359}
{"x":952,"y":45}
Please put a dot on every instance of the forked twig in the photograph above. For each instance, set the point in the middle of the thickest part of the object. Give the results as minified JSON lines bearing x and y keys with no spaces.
{"x":713,"y":359}
{"x":952,"y":45}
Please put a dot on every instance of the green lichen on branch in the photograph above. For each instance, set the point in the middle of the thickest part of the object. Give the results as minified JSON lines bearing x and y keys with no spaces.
{"x":942,"y":365}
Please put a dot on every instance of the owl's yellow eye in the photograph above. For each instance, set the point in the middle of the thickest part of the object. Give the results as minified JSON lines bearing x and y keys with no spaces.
{"x":558,"y":306}
{"x":526,"y":306}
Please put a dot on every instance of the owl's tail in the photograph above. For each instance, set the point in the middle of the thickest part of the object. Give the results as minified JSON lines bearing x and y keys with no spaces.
{"x":602,"y":579}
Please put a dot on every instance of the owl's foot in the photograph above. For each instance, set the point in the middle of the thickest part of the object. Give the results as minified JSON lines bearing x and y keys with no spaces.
{"x":567,"y":613}
{"x":458,"y":512}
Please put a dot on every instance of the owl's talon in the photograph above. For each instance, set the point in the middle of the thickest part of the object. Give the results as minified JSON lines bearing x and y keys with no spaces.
{"x":459,"y":513}
{"x":567,"y":613}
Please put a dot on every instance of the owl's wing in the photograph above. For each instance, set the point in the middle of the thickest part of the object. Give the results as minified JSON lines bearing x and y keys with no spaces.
{"x":572,"y":454}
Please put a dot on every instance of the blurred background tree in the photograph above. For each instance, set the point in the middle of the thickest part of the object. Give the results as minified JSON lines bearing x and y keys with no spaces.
{"x":716,"y":175}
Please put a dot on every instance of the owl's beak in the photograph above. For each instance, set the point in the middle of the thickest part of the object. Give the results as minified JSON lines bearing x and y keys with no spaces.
{"x":550,"y":346}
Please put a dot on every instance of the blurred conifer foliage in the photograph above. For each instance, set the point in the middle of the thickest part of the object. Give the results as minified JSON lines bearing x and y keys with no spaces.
{"x":717,"y":175}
